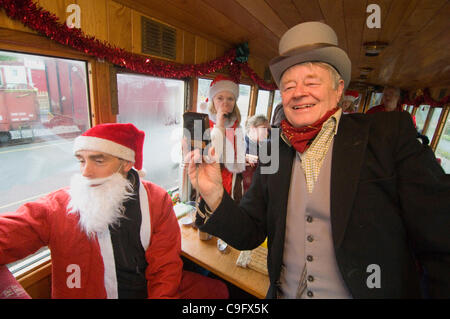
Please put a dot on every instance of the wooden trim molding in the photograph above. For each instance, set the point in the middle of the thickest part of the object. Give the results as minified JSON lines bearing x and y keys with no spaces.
{"x":36,"y":279}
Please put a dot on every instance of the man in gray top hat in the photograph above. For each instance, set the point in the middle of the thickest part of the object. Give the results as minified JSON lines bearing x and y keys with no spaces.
{"x":358,"y":207}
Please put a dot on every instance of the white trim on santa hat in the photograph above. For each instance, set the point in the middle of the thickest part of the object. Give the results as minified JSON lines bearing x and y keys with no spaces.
{"x":90,"y":143}
{"x":223,"y":85}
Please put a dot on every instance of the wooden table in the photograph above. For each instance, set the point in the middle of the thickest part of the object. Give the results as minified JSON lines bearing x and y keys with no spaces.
{"x":206,"y":255}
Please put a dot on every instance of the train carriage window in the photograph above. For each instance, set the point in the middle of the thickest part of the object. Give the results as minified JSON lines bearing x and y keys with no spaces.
{"x":409,"y":108}
{"x":156,"y":106}
{"x":421,"y":116}
{"x":44,"y":105}
{"x":443,"y":147}
{"x":375,"y":99}
{"x":202,"y":95}
{"x":262,"y":103}
{"x":276,"y":101}
{"x":433,"y":122}
{"x":243,"y":101}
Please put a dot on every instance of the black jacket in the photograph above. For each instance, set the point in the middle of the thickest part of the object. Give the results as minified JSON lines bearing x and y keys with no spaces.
{"x":390,"y":206}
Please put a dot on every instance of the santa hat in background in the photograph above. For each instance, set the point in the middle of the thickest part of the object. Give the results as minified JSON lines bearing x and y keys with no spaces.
{"x":351,"y":96}
{"x":124,"y":141}
{"x":222,"y":83}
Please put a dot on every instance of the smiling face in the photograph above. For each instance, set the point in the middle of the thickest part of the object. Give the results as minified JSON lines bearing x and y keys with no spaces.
{"x":308,"y":92}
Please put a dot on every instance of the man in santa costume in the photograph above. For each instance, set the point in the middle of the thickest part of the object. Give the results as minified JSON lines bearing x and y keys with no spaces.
{"x":111,"y":234}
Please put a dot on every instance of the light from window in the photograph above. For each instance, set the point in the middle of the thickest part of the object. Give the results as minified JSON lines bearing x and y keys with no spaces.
{"x":375,"y":100}
{"x":202,"y":95}
{"x":421,"y":117}
{"x":433,"y":122}
{"x":156,"y":106}
{"x":276,"y":101}
{"x":43,"y":106}
{"x":41,"y":113}
{"x":443,"y":147}
{"x":262,"y":103}
{"x":243,"y":101}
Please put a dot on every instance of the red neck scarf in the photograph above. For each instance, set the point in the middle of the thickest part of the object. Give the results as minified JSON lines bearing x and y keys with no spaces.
{"x":301,"y":137}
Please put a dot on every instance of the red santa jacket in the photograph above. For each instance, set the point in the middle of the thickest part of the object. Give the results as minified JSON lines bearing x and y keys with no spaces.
{"x":78,"y":264}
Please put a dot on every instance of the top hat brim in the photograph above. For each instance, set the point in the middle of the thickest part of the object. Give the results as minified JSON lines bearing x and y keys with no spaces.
{"x":332,"y":55}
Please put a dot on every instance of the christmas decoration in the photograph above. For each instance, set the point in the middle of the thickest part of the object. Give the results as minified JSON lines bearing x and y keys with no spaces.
{"x":424,"y":98}
{"x":236,"y":59}
{"x":48,"y":25}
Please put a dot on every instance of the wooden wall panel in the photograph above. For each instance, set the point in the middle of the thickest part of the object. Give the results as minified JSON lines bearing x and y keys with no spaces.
{"x":93,"y":14}
{"x":101,"y":111}
{"x":136,"y":41}
{"x":221,"y":50}
{"x":58,"y":8}
{"x":243,"y":19}
{"x":201,"y":50}
{"x":355,"y":23}
{"x":257,"y":65}
{"x":264,"y":13}
{"x":333,"y":12}
{"x":309,"y":9}
{"x":287,"y":11}
{"x":7,"y":23}
{"x":188,"y":47}
{"x":210,"y":51}
{"x":94,"y":18}
{"x":119,"y":26}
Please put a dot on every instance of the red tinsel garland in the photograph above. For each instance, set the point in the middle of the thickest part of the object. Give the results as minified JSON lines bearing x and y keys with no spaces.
{"x":426,"y":99}
{"x":47,"y":24}
{"x":255,"y":78}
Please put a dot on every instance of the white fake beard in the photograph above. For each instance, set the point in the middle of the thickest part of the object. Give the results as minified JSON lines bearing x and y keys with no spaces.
{"x":99,"y":206}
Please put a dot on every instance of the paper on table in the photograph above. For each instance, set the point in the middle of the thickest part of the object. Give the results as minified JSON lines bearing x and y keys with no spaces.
{"x":182,"y":209}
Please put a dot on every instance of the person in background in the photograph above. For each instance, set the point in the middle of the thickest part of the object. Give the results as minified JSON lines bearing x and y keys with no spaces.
{"x":111,"y":234}
{"x":356,"y":202}
{"x":257,"y":129}
{"x":389,"y":101}
{"x":349,"y":101}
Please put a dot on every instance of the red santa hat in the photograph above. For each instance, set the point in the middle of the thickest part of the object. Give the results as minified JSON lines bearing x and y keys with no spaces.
{"x":351,"y":96}
{"x":222,"y":83}
{"x":121,"y":140}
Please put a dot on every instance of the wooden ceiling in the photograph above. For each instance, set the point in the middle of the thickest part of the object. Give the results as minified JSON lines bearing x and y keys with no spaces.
{"x":417,"y":31}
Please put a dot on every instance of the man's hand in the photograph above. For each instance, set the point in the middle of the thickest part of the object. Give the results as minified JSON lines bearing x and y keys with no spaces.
{"x":205,"y":176}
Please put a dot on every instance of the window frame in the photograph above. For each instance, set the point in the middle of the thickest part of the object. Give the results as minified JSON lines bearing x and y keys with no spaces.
{"x":26,"y":43}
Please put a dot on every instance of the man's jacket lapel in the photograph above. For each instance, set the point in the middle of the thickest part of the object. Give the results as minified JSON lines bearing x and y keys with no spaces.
{"x":348,"y":155}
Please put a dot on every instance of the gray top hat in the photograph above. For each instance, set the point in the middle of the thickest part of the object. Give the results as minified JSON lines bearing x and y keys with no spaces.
{"x":310,"y":42}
